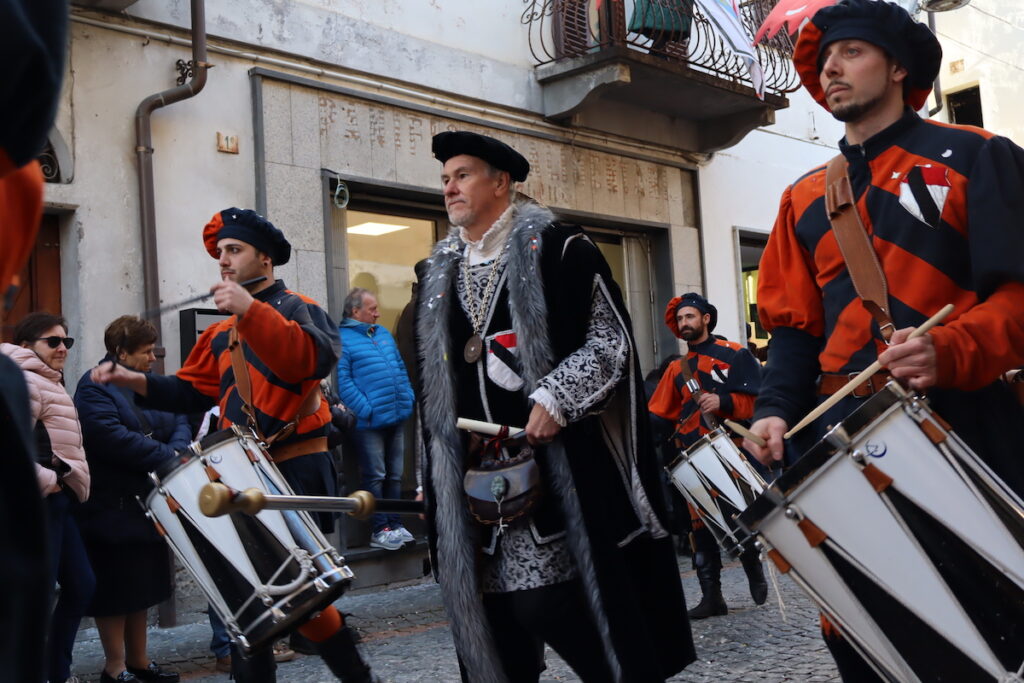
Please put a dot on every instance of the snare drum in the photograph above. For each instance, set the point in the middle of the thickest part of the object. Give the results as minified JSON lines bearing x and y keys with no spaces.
{"x":261,"y":573}
{"x":907,"y":541}
{"x":719,"y":482}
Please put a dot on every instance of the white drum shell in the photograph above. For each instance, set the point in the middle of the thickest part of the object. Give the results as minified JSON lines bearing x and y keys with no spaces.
{"x":710,"y":469}
{"x":239,"y":463}
{"x":863,"y":526}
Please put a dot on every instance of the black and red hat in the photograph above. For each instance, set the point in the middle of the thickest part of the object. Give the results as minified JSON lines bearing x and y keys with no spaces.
{"x":689,"y":299}
{"x":880,"y":23}
{"x":249,"y":227}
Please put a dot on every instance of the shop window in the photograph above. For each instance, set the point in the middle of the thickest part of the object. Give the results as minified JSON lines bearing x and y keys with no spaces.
{"x":382,"y":250}
{"x":965,"y":107}
{"x":751,"y":246}
{"x":628,"y":256}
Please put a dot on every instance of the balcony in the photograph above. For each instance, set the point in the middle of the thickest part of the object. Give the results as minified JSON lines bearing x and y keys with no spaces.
{"x":654,"y":70}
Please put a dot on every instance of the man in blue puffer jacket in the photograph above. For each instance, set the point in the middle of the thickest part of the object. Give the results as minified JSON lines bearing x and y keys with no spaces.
{"x":372,"y":382}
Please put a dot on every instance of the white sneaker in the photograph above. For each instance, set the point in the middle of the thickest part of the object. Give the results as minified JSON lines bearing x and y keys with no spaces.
{"x":403,"y":534}
{"x":386,"y":539}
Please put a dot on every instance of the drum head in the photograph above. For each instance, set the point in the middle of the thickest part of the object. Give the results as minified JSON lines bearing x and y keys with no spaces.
{"x":167,"y":468}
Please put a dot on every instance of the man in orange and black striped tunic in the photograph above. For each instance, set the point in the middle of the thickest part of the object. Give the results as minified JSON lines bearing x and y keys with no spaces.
{"x":943,"y":206}
{"x":722,"y":381}
{"x":289,"y":344}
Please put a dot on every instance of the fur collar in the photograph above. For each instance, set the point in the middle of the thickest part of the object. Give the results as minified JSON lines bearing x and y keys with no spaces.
{"x":456,"y":545}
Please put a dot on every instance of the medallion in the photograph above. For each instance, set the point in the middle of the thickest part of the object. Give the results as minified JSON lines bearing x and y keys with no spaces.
{"x":474,"y":347}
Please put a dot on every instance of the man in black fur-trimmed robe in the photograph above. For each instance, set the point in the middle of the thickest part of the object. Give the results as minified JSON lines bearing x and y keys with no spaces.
{"x":591,"y":570}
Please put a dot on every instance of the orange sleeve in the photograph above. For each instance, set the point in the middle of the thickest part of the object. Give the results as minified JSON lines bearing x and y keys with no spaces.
{"x":666,"y":401}
{"x":200,"y":368}
{"x":787,"y":293}
{"x":742,"y":406}
{"x":287,"y":349}
{"x":987,"y":340}
{"x":21,"y":208}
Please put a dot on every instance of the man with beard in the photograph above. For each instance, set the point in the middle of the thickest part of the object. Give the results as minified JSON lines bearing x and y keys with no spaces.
{"x":520,"y":323}
{"x":288,"y":344}
{"x":942,"y":206}
{"x":717,"y":379}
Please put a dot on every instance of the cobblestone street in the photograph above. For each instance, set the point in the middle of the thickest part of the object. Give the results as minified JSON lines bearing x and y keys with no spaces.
{"x":406,"y":637}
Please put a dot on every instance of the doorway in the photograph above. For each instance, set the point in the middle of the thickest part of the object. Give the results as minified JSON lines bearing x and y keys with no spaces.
{"x":39,"y":281}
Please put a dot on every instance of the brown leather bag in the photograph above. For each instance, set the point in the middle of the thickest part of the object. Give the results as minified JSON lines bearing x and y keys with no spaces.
{"x":500,"y":489}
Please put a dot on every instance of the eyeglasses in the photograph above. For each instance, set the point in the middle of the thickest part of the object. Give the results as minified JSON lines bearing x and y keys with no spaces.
{"x":54,"y":342}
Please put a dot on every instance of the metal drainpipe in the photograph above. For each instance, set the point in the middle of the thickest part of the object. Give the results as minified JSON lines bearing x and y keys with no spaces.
{"x":937,"y":88}
{"x":144,"y":153}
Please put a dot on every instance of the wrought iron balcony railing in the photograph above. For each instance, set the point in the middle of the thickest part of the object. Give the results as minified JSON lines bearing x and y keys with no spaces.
{"x":673,"y":30}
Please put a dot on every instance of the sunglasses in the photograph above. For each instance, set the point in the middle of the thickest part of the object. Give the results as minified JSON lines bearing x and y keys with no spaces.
{"x":54,"y":342}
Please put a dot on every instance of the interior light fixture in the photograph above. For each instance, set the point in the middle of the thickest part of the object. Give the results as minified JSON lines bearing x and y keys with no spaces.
{"x":375,"y":229}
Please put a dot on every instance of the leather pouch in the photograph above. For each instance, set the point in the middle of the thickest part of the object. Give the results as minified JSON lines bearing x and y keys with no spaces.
{"x":502,"y":488}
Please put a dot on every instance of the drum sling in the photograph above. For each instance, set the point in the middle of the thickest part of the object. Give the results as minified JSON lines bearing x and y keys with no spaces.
{"x":310,"y":404}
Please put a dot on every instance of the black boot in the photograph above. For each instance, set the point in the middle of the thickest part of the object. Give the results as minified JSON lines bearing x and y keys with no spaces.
{"x":258,"y":667}
{"x":755,"y":575}
{"x":342,"y":657}
{"x":709,"y":573}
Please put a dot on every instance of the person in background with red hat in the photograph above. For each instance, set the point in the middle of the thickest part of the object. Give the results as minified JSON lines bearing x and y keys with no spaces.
{"x":942,"y":205}
{"x":729,"y":377}
{"x":289,"y":344}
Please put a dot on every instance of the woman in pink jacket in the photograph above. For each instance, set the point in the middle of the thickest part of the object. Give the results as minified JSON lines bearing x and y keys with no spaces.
{"x":40,"y":348}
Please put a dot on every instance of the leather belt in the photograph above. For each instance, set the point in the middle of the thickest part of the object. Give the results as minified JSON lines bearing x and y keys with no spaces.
{"x":287,"y":451}
{"x":831,"y":382}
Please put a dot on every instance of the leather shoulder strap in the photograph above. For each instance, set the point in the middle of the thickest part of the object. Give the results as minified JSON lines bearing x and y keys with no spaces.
{"x":243,"y":385}
{"x":855,"y":245}
{"x":684,"y":368}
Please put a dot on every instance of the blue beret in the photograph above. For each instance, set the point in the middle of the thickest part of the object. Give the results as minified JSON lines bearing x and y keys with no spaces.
{"x":880,"y":23}
{"x":249,"y":227}
{"x":689,"y":299}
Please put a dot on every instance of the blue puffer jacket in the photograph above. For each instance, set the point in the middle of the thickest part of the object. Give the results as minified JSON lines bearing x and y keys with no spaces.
{"x":371,"y":376}
{"x":119,"y":453}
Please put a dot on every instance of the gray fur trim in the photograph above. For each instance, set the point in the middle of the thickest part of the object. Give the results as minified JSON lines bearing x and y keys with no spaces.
{"x":456,"y":544}
{"x":456,"y":550}
{"x":526,"y":293}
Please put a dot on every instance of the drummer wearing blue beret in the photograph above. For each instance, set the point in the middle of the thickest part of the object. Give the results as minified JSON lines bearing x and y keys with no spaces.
{"x":940,"y":206}
{"x":717,"y":379}
{"x":288,"y":344}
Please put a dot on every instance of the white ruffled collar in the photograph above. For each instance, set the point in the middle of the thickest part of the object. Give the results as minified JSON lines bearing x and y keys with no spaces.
{"x":489,"y":245}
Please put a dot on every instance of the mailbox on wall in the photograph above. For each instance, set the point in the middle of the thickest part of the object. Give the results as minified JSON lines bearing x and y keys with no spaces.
{"x":192,"y":322}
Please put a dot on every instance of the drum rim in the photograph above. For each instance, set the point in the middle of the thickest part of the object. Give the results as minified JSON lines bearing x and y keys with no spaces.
{"x":164,"y":470}
{"x":319,"y":601}
{"x":220,"y":436}
{"x":182,"y":458}
{"x":820,"y":453}
{"x":705,"y":439}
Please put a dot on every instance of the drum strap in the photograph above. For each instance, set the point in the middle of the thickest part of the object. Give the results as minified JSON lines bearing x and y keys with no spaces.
{"x":684,"y":369}
{"x":855,"y":245}
{"x":243,"y":385}
{"x":687,"y":372}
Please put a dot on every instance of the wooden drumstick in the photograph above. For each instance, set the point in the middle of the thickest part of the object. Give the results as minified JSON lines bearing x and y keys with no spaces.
{"x":488,"y":428}
{"x":865,"y":374}
{"x":744,"y":432}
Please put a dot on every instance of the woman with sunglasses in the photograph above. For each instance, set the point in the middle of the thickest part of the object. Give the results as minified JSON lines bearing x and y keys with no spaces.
{"x":40,"y":348}
{"x":124,"y":443}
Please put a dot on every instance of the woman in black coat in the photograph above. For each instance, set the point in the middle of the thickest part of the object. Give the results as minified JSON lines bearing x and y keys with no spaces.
{"x":124,"y":443}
